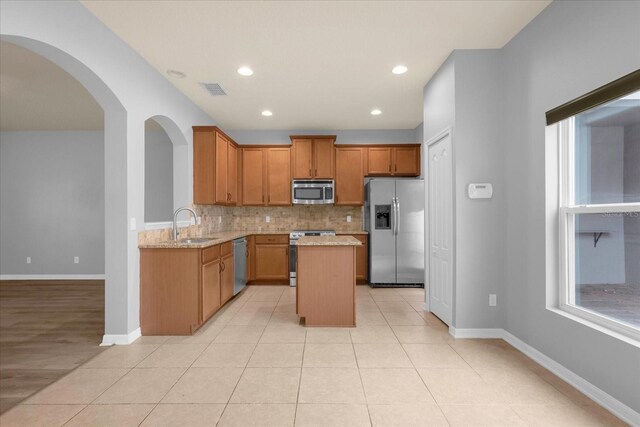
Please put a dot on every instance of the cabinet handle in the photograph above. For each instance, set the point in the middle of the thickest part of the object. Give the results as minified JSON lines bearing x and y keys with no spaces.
{"x":389,"y":167}
{"x":263,"y":198}
{"x":269,"y":198}
{"x":315,"y":173}
{"x":396,"y":167}
{"x":310,"y":174}
{"x":223,"y":266}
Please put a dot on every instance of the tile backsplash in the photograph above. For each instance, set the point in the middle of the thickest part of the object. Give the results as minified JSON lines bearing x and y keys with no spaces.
{"x":283,"y":219}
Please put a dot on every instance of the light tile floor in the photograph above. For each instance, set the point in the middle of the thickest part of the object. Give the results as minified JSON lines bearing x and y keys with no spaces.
{"x":253,"y":364}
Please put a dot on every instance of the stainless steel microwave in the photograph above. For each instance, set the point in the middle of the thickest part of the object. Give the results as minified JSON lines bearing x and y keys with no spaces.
{"x":312,"y":192}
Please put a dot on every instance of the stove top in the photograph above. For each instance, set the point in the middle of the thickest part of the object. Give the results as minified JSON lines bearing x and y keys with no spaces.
{"x":299,"y":233}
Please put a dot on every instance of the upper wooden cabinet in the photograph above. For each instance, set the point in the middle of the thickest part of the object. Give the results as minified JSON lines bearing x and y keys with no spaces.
{"x":400,"y":160}
{"x":215,"y":167}
{"x":312,"y":157}
{"x":350,"y":175}
{"x":266,"y":176}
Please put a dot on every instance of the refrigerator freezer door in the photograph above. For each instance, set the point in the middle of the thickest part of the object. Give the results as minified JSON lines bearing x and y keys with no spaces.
{"x":410,"y":231}
{"x":382,"y":256}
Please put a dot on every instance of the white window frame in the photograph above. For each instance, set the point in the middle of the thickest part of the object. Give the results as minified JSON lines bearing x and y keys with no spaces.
{"x":566,"y":230}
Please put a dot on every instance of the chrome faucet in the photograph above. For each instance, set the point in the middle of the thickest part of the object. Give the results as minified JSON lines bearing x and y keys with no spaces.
{"x":175,"y":219}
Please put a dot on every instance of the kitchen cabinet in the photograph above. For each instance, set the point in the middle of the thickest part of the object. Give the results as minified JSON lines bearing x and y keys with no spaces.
{"x":349,"y":176}
{"x":251,"y":257}
{"x":362,"y":257}
{"x":215,"y":167}
{"x":180,"y":289}
{"x":253,"y":171}
{"x":226,"y":272}
{"x":210,"y":281}
{"x":271,"y":257}
{"x":312,"y":157}
{"x":266,"y":176}
{"x":278,"y":176}
{"x":399,"y":160}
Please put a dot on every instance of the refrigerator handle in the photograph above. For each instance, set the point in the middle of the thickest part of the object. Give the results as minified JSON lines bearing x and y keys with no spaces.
{"x":397,"y":216}
{"x":394,"y":216}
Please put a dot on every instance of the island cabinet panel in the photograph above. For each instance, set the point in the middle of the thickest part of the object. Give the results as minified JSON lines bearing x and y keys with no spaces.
{"x":170,"y":291}
{"x":271,"y":258}
{"x":326,"y":296}
{"x":350,"y":176}
{"x":302,"y":153}
{"x":406,"y":161}
{"x":278,"y":176}
{"x":253,"y":171}
{"x":226,"y":275}
{"x":362,"y":257}
{"x":379,"y":161}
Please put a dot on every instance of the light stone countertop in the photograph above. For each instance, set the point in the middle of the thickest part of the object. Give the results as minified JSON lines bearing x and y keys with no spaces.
{"x":227,"y":236}
{"x":328,"y":241}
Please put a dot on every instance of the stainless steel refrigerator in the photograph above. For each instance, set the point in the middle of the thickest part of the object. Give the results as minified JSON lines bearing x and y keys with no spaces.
{"x":394,"y":218}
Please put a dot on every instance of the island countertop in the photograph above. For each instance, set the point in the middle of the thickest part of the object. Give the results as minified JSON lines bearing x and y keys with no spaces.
{"x":328,"y":241}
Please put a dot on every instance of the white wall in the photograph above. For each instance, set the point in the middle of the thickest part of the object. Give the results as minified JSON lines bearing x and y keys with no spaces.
{"x":129,"y":91}
{"x":570,"y":49}
{"x":52,"y":203}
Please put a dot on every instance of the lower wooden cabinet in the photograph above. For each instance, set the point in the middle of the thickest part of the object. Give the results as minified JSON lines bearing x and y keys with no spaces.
{"x":271,"y":257}
{"x":226,"y":272}
{"x":210,"y":288}
{"x":362,"y":258}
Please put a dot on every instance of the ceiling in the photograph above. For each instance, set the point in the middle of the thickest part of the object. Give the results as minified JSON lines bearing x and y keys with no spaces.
{"x":318,"y":65}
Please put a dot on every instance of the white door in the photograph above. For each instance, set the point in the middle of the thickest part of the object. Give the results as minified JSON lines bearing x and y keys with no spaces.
{"x":440,"y":200}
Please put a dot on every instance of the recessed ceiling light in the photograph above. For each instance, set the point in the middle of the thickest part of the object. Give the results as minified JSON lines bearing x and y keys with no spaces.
{"x":267,"y":113}
{"x":176,"y":74}
{"x":376,"y":112}
{"x":399,"y":69}
{"x":245,"y":71}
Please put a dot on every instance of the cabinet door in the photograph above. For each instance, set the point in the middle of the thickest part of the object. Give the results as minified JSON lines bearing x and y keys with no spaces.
{"x":210,"y":288}
{"x":362,"y":258}
{"x":251,"y":258}
{"x":379,"y":161}
{"x":226,"y":278}
{"x":272,"y":262}
{"x":203,"y":168}
{"x":232,"y":174}
{"x":222,"y":147}
{"x":253,"y":170}
{"x":278,"y":176}
{"x":406,"y":161}
{"x":323,"y":159}
{"x":349,"y":176}
{"x":302,"y":159}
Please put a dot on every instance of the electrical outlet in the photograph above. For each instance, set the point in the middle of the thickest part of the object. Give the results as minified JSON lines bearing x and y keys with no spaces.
{"x":28,"y":260}
{"x":348,"y":218}
{"x":76,"y":260}
{"x":219,"y":220}
{"x":133,"y":224}
{"x":493,"y":300}
{"x":267,"y":218}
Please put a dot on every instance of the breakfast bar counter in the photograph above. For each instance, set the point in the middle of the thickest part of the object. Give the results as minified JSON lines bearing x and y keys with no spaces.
{"x":326,"y":280}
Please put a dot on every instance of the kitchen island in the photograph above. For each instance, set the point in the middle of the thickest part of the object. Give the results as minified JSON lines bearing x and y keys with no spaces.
{"x":326,"y":280}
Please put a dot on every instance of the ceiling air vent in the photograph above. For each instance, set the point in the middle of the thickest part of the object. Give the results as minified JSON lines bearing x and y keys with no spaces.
{"x":214,"y":89}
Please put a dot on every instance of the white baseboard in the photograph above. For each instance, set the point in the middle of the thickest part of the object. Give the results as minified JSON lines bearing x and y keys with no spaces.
{"x":599,"y":396}
{"x":52,"y":276}
{"x":486,"y":333}
{"x":123,"y":339}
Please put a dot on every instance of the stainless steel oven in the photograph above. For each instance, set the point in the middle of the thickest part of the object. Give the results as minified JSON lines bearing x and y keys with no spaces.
{"x":293,"y":237}
{"x":313,"y":192}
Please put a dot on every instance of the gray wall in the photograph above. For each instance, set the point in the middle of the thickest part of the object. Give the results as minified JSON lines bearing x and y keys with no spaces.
{"x":281,"y":137}
{"x":51,"y":202}
{"x":158,"y":176}
{"x":568,"y":50}
{"x":632,"y":192}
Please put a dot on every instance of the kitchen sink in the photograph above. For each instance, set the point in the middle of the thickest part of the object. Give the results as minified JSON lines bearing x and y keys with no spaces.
{"x":196,"y":240}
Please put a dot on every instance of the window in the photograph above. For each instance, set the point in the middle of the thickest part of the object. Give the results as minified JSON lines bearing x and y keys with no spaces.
{"x":599,"y":215}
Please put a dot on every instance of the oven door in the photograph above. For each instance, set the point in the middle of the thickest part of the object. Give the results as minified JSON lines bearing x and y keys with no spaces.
{"x":292,"y":262}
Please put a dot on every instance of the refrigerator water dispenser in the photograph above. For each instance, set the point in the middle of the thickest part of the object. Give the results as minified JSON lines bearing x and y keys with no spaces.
{"x":383,"y":217}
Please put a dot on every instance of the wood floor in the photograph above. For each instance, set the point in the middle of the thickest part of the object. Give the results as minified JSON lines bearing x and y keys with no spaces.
{"x":47,"y":329}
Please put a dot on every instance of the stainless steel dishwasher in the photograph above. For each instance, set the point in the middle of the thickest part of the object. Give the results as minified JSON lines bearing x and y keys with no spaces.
{"x":239,"y":265}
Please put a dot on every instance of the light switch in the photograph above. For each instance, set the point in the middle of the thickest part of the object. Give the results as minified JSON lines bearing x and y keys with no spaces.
{"x":348,"y":218}
{"x":133,"y":225}
{"x":493,"y":300}
{"x":76,"y":260}
{"x":28,"y":260}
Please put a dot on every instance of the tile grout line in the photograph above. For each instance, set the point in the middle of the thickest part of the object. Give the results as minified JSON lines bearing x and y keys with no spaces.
{"x":248,"y":360}
{"x":364,"y":393}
